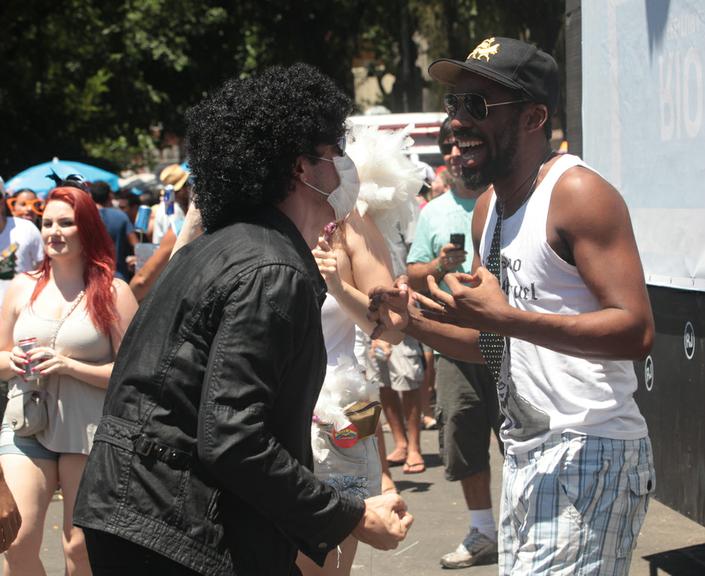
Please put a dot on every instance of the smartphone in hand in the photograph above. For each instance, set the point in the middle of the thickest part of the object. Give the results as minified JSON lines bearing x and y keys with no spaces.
{"x":458,"y":239}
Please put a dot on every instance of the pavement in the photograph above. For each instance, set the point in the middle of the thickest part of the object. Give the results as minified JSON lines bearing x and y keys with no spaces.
{"x":440,"y":524}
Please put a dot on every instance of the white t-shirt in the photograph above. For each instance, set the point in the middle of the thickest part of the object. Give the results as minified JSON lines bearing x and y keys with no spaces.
{"x":21,"y":250}
{"x":162,"y":222}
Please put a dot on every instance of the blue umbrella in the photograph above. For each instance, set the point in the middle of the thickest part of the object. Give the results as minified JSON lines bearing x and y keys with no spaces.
{"x":36,"y":176}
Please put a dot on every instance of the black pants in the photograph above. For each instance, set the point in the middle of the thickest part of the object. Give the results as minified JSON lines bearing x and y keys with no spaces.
{"x":113,"y":556}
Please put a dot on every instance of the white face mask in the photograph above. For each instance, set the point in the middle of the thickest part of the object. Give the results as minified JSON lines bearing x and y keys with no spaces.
{"x":343,"y":198}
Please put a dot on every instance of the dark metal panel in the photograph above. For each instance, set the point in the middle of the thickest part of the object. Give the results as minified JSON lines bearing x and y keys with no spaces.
{"x":671,"y":396}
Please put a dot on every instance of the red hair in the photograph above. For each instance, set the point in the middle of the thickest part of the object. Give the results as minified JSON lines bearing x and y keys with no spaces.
{"x":98,"y":254}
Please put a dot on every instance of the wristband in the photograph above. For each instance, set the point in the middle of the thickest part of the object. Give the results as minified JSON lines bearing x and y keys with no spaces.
{"x":439,"y":268}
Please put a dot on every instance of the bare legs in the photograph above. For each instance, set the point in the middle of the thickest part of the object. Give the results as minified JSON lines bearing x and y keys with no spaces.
{"x":70,"y":471}
{"x":33,"y":482}
{"x":387,"y":481}
{"x":407,"y":447}
{"x":476,"y":489}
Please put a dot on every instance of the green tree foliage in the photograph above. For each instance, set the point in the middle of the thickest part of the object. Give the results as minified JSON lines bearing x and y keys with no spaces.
{"x":89,"y":78}
{"x":454,"y":27}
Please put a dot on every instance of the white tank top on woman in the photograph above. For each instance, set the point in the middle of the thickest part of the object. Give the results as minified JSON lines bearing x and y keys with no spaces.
{"x":543,"y":392}
{"x":75,"y":407}
{"x":338,"y":331}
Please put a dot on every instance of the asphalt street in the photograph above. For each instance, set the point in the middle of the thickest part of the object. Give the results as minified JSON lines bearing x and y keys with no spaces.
{"x":440,"y":524}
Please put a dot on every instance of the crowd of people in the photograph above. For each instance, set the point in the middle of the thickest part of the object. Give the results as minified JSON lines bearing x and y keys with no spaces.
{"x":203,"y":375}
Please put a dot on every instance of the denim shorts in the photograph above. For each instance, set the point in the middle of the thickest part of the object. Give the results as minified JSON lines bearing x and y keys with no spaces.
{"x":355,"y":471}
{"x":28,"y":446}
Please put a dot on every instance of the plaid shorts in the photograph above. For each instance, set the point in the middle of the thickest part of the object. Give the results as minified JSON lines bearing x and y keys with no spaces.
{"x":574,"y":506}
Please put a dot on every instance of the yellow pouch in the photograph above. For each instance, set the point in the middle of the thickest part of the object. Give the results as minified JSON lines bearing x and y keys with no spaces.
{"x":365,"y":415}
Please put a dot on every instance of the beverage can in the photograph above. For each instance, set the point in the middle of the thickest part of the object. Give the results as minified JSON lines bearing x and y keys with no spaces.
{"x":143,"y":215}
{"x":169,"y":200}
{"x":27,"y":344}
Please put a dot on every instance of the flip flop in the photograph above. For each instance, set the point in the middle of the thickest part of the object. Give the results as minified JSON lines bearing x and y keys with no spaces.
{"x":397,"y":461}
{"x":416,"y":468}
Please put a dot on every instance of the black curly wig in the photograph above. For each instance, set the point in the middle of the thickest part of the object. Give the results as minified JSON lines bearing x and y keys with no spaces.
{"x":243,"y":140}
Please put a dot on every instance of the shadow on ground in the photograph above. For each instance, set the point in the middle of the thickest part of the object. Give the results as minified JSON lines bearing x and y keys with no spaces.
{"x":410,"y":486}
{"x":689,"y":561}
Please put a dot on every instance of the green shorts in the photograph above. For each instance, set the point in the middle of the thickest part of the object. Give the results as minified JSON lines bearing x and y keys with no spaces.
{"x":467,"y":412}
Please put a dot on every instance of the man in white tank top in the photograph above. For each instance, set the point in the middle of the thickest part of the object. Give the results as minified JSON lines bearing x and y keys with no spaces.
{"x":557,"y":308}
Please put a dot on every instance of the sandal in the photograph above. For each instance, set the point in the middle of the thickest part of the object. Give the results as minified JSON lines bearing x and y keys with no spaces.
{"x":415,"y":468}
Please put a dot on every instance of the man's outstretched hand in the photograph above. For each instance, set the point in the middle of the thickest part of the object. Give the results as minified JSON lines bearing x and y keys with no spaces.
{"x":475,"y":300}
{"x":385,"y":522}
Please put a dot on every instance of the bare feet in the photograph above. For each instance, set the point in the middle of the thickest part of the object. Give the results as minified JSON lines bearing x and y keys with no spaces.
{"x":414,"y":464}
{"x":397,"y":457}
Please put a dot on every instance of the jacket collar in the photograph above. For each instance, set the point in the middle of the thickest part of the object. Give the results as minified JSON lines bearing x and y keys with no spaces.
{"x":279,"y":221}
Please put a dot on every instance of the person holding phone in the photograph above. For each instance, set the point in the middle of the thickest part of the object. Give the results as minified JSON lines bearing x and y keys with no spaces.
{"x":467,"y":410}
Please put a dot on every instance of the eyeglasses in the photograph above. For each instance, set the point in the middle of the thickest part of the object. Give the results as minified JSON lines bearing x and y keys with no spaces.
{"x":342,"y":141}
{"x":447,"y":147}
{"x":36,"y":205}
{"x":339,"y":146}
{"x":475,"y":104}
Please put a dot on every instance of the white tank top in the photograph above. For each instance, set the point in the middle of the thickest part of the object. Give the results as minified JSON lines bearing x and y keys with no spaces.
{"x":543,"y":392}
{"x":338,"y":331}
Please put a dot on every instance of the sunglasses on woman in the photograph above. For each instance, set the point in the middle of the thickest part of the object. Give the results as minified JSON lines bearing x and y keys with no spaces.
{"x":36,"y":205}
{"x":475,"y":104}
{"x":447,"y":147}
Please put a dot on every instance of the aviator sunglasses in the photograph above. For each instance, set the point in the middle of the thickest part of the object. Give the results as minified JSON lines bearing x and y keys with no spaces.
{"x":475,"y":104}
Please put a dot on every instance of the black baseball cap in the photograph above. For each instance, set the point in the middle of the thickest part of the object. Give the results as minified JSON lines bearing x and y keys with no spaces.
{"x":509,"y":62}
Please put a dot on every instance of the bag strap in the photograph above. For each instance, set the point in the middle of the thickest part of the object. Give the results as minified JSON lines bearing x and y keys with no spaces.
{"x":76,"y":302}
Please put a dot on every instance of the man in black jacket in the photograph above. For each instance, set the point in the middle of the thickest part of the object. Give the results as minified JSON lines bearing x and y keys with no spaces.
{"x":201,"y":463}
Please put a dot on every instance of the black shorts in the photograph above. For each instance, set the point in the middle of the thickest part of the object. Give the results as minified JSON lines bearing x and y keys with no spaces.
{"x":467,"y":411}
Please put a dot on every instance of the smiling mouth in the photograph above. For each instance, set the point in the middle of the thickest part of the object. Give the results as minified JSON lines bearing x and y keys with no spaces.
{"x":472,"y":150}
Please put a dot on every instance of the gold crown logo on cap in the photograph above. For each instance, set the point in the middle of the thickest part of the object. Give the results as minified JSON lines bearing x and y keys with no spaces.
{"x":484,"y":49}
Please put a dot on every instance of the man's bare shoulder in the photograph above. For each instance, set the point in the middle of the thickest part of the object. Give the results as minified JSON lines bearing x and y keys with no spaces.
{"x":582,"y":184}
{"x":583,"y":201}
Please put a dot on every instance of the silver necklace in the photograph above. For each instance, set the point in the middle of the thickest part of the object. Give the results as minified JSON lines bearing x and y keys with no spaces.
{"x":531,"y":189}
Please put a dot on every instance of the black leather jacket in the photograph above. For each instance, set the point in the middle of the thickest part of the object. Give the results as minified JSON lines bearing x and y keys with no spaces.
{"x":204,"y":451}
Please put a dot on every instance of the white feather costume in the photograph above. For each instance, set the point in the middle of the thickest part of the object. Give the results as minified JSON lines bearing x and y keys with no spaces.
{"x":389,"y":180}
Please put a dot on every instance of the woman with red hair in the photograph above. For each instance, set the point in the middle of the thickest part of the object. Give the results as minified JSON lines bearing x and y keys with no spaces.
{"x":78,"y":314}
